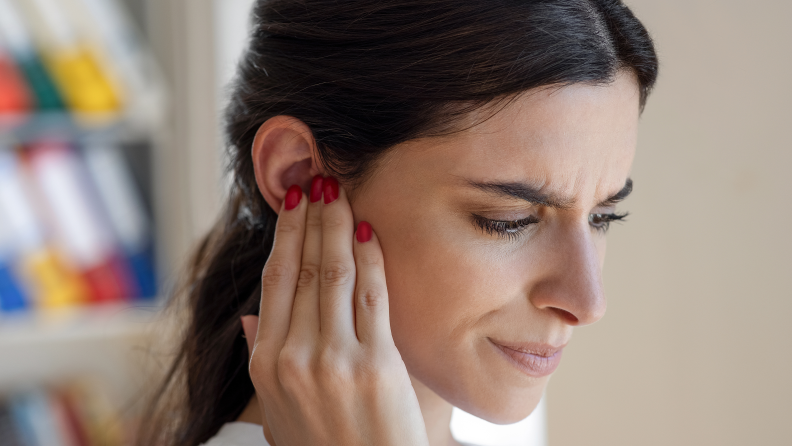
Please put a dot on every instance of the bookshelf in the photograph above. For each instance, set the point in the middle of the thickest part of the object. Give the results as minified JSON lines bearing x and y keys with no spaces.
{"x":111,"y":117}
{"x":87,"y":342}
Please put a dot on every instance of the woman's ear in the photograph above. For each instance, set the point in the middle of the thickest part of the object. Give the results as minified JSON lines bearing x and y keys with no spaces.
{"x":284,"y":154}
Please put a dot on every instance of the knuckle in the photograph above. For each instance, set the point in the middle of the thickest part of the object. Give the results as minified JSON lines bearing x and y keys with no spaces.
{"x":256,"y":368}
{"x":335,"y":222}
{"x":372,"y":297}
{"x":336,"y":273}
{"x":260,"y":375}
{"x":308,"y":274}
{"x":292,"y":369}
{"x":369,"y":260}
{"x":380,"y":371}
{"x":275,"y":273}
{"x":314,"y":221}
{"x":288,"y":227}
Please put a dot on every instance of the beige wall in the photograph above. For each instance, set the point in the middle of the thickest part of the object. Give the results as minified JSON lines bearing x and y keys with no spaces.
{"x":696,"y":348}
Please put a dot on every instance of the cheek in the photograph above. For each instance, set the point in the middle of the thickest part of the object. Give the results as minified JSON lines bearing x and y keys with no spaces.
{"x":442,"y":287}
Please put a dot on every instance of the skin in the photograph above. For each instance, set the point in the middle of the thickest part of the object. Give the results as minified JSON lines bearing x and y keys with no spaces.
{"x":454,"y":290}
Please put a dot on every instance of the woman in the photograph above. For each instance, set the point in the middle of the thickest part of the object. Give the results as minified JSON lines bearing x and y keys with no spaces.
{"x":426,"y":186}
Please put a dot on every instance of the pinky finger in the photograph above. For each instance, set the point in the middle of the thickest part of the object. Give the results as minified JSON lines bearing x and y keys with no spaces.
{"x":372,"y":321}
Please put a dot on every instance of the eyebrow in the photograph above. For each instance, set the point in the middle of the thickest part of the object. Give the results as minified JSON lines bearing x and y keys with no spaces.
{"x":536,"y":196}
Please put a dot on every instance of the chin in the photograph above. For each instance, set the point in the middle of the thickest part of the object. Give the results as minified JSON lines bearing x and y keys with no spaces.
{"x":485,"y":396}
{"x":507,"y":408}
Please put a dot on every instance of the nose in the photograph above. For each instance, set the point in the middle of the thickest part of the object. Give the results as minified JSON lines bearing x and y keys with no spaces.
{"x":571,"y":280}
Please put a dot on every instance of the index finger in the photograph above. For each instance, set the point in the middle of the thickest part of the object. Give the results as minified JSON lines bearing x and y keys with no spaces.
{"x":279,"y":276}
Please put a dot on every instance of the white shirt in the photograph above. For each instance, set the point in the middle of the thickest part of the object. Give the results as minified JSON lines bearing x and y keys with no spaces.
{"x":239,"y":433}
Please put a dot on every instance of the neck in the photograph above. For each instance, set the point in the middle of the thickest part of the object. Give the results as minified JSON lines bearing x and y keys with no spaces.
{"x":436,"y":414}
{"x":435,"y":410}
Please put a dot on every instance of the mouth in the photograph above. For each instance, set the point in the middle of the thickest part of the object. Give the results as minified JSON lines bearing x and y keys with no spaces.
{"x":533,"y":359}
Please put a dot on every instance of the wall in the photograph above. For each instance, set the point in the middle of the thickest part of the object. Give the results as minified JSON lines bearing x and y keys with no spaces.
{"x":696,"y":348}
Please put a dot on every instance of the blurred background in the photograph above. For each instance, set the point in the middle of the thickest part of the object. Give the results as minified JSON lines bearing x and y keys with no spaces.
{"x":111,"y":167}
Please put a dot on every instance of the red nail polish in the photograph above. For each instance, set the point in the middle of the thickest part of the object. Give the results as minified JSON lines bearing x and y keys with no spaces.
{"x":330,"y":190}
{"x":293,"y":197}
{"x":316,"y":188}
{"x":363,"y":232}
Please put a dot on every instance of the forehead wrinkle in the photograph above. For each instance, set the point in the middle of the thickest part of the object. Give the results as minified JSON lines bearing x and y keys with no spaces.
{"x":533,"y":194}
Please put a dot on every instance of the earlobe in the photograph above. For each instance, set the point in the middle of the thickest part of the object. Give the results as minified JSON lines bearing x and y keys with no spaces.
{"x":284,"y":153}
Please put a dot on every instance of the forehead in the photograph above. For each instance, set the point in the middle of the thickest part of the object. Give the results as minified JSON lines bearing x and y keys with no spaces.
{"x":578,"y":139}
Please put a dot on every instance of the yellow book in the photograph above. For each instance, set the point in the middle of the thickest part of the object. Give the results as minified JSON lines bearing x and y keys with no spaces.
{"x":52,"y":283}
{"x":80,"y":78}
{"x":83,"y":81}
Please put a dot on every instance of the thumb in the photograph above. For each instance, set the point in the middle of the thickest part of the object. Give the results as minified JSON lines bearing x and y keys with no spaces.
{"x":250,"y":328}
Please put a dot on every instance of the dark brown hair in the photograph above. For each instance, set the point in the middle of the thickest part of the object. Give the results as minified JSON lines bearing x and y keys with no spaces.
{"x":364,"y":75}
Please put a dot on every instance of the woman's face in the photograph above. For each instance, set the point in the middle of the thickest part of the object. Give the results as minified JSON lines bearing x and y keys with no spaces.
{"x":494,"y":244}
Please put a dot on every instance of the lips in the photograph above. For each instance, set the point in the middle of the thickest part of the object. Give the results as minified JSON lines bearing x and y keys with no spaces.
{"x":536,"y":360}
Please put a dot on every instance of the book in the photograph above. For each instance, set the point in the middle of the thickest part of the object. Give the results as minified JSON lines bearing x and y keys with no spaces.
{"x":35,"y":264}
{"x":15,"y":97}
{"x":12,"y":296}
{"x":73,"y":413}
{"x":124,"y":207}
{"x":85,"y":84}
{"x":79,"y":227}
{"x":19,"y":45}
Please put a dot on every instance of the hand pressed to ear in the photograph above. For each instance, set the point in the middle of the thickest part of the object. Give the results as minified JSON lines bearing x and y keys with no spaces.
{"x":324,"y":364}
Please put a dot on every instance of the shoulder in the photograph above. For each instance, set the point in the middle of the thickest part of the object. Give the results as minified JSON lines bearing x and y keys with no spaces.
{"x":238,"y":433}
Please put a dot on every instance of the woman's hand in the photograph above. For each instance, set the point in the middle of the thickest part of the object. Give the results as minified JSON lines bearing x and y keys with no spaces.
{"x":324,"y":365}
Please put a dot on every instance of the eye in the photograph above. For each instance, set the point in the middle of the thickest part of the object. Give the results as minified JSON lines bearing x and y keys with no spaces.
{"x":601,"y":222}
{"x":504,"y":228}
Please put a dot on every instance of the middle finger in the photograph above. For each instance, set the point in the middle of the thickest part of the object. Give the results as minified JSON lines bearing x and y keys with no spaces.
{"x":337,"y":273}
{"x":305,"y":313}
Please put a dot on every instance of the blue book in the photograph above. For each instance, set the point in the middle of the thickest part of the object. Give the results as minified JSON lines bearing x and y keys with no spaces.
{"x":32,"y":412}
{"x":12,"y":297}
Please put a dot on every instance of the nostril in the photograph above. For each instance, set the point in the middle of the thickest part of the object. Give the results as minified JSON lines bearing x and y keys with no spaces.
{"x":568,"y":317}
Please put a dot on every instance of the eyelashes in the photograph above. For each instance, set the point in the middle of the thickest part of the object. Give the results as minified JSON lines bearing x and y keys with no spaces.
{"x":504,"y":229}
{"x":512,"y":230}
{"x":601,"y":222}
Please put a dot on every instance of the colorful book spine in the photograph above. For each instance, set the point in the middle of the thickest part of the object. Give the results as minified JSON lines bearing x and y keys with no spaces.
{"x":12,"y":296}
{"x":40,"y":273}
{"x":15,"y":97}
{"x":81,"y":78}
{"x":19,"y":45}
{"x":115,"y":39}
{"x":34,"y":417}
{"x":80,"y":230}
{"x":74,"y":414}
{"x":124,"y":207}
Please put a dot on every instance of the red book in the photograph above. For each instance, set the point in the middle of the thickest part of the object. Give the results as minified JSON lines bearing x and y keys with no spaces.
{"x":81,"y":230}
{"x":15,"y":97}
{"x":72,"y":422}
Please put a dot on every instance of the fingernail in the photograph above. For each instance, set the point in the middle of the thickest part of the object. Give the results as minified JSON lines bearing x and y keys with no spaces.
{"x":363,"y":232}
{"x":330,"y":190}
{"x":293,"y":197}
{"x":316,"y":188}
